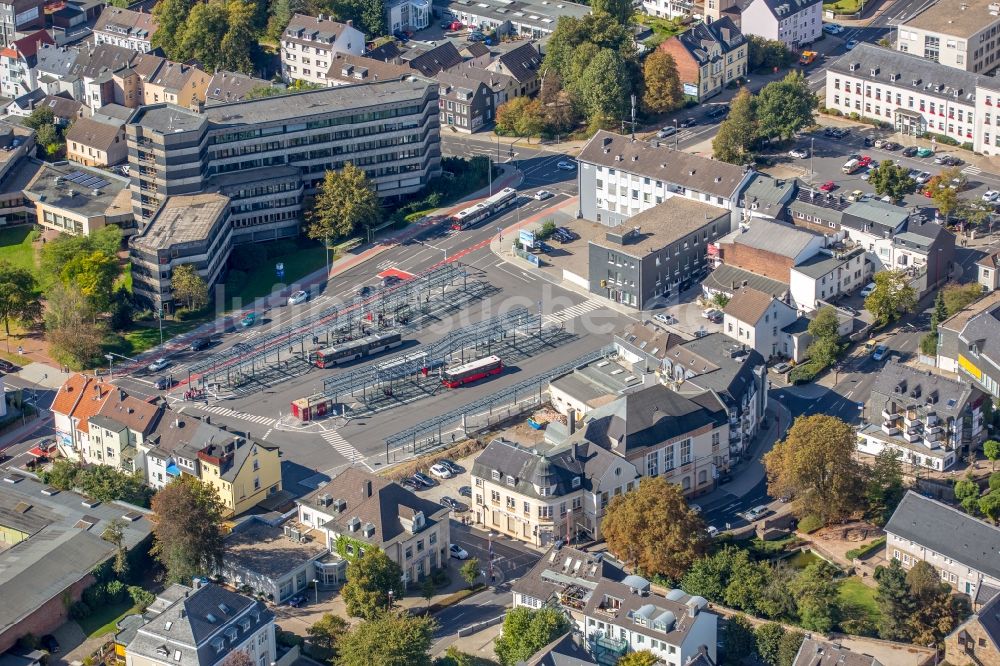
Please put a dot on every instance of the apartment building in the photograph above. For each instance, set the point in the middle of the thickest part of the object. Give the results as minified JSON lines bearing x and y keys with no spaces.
{"x":709,"y":56}
{"x":928,"y":420}
{"x":225,"y":87}
{"x":18,"y":17}
{"x":309,"y":43}
{"x":619,"y":177}
{"x":359,"y":510}
{"x":407,"y":15}
{"x":532,"y":19}
{"x":96,"y":143}
{"x":201,"y":626}
{"x":466,"y":105}
{"x":962,"y":35}
{"x":794,"y":23}
{"x":758,"y":319}
{"x":962,"y":549}
{"x":388,"y":128}
{"x":668,"y":8}
{"x":976,"y":640}
{"x":968,"y":344}
{"x":78,"y":200}
{"x":187,"y":229}
{"x":18,"y":75}
{"x":541,"y":496}
{"x":523,"y":65}
{"x":768,"y":248}
{"x":118,"y":430}
{"x":659,"y":252}
{"x":126,"y":28}
{"x":914,"y":95}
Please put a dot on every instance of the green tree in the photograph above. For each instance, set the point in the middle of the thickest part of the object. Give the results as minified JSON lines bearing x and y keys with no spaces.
{"x":663,"y":91}
{"x":957,"y":297}
{"x":785,"y":107}
{"x":326,"y":633}
{"x":114,"y":534}
{"x":991,"y":448}
{"x":526,"y":631}
{"x":767,"y":53}
{"x":427,"y":589}
{"x":188,"y":287}
{"x":776,"y":600}
{"x":826,"y":345}
{"x":788,"y":649}
{"x":654,"y":529}
{"x":187,"y":532}
{"x":739,"y":639}
{"x":48,"y":137}
{"x":894,"y":601}
{"x":390,"y":639}
{"x":891,"y":297}
{"x":606,"y":87}
{"x":372,"y":18}
{"x":940,"y":311}
{"x":281,"y":13}
{"x":747,"y":582}
{"x":141,"y":598}
{"x":93,"y":274}
{"x":235,"y":50}
{"x":62,"y":474}
{"x":371,"y":579}
{"x":42,"y":115}
{"x":737,"y":135}
{"x":170,"y":18}
{"x":470,"y":571}
{"x":935,"y":612}
{"x":204,"y":29}
{"x":107,"y":484}
{"x":943,"y":194}
{"x":73,"y":334}
{"x":884,"y":486}
{"x":768,"y":639}
{"x":19,"y":299}
{"x":967,"y":494}
{"x":619,"y":10}
{"x":638,"y":658}
{"x":346,"y":201}
{"x":815,"y":466}
{"x":994,"y":481}
{"x":532,"y":119}
{"x":989,"y":505}
{"x":815,"y":592}
{"x":892,"y":179}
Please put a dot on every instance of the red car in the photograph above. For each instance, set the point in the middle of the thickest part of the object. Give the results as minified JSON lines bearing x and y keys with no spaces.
{"x":828,"y":186}
{"x":864,"y":161}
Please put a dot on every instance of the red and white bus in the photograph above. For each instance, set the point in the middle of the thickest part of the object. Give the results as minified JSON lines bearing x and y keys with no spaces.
{"x":469,"y":372}
{"x":473,"y":215}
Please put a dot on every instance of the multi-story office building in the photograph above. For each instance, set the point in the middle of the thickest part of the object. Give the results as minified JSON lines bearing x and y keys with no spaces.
{"x":964,"y":35}
{"x":390,"y":129}
{"x":19,"y":17}
{"x":309,"y":43}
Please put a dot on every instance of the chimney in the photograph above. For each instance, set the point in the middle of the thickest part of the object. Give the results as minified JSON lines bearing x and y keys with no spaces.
{"x":367,"y":488}
{"x":350,"y":23}
{"x":571,"y":424}
{"x":692,"y":610}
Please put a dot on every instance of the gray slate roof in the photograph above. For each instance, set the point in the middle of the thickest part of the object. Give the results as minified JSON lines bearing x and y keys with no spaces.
{"x":774,"y":237}
{"x":782,"y":9}
{"x":728,"y":279}
{"x":55,"y":60}
{"x":700,"y":36}
{"x":947,"y":531}
{"x":731,"y":373}
{"x":874,"y":216}
{"x":951,"y":398}
{"x":814,"y":652}
{"x":522,"y":62}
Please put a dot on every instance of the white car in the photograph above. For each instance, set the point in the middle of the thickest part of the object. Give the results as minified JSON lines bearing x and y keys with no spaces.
{"x":440,"y":471}
{"x":880,"y":352}
{"x":712,"y":531}
{"x":867,"y":291}
{"x":798,"y":153}
{"x":541,"y":195}
{"x":923,"y":177}
{"x":565,"y":165}
{"x":990,"y":196}
{"x":851,"y":43}
{"x":695,"y":507}
{"x":297,"y":297}
{"x":756,"y":513}
{"x":666,"y":131}
{"x":458,"y":552}
{"x":158,"y":365}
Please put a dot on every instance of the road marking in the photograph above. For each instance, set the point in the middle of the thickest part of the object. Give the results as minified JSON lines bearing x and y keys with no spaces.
{"x":972,"y":170}
{"x":267,"y":433}
{"x":573,"y":312}
{"x":233,"y":414}
{"x":343,"y":447}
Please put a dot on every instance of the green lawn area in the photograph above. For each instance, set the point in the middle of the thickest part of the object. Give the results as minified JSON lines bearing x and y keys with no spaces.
{"x":663,"y":29}
{"x":843,"y":6}
{"x":15,"y":247}
{"x":298,"y":264}
{"x":857,"y":597}
{"x":102,"y":620}
{"x":140,"y":339}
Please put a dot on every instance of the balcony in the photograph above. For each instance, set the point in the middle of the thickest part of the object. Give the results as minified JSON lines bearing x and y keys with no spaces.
{"x":913,"y":436}
{"x":890,"y":415}
{"x":890,"y":428}
{"x":910,"y":419}
{"x":607,"y":650}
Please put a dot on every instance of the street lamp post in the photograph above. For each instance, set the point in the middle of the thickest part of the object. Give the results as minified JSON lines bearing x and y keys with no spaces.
{"x":159,"y":317}
{"x":390,"y":599}
{"x":316,"y":586}
{"x":111,"y":365}
{"x":812,"y":152}
{"x":676,"y":132}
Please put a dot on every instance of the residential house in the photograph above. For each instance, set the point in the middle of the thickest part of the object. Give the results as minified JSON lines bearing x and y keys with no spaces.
{"x":539,"y":496}
{"x":976,"y":641}
{"x":17,"y":64}
{"x":466,"y":105}
{"x":534,"y":19}
{"x":962,"y":549}
{"x":77,"y":200}
{"x":835,"y":270}
{"x":50,"y":543}
{"x":794,"y":23}
{"x":242,"y":472}
{"x":429,"y":62}
{"x":502,"y":87}
{"x":96,"y":143}
{"x":53,"y":65}
{"x":201,"y":626}
{"x":476,"y":54}
{"x":657,"y":253}
{"x":816,"y":652}
{"x":65,"y":110}
{"x":768,"y":248}
{"x":275,"y":561}
{"x":359,"y":510}
{"x":988,"y":271}
{"x":347,"y":69}
{"x":92,"y":75}
{"x":768,"y":197}
{"x":709,"y":56}
{"x":619,"y":177}
{"x":176,"y":83}
{"x":757,"y":319}
{"x":118,"y":431}
{"x":225,"y":87}
{"x":407,"y":15}
{"x":617,"y":614}
{"x":126,"y":28}
{"x":969,"y":344}
{"x":523,"y":65}
{"x":18,"y":17}
{"x":962,"y":36}
{"x":79,"y":398}
{"x":309,"y":42}
{"x":927,"y":419}
{"x":670,"y":9}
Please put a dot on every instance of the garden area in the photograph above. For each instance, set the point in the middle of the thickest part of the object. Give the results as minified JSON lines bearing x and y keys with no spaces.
{"x":663,"y":28}
{"x":844,"y":6}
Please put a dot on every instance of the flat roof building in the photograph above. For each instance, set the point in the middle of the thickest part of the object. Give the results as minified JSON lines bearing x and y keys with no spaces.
{"x":964,"y":35}
{"x":527,"y":18}
{"x":77,"y":200}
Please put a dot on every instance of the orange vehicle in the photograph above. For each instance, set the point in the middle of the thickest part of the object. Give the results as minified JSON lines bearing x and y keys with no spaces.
{"x":807,"y":58}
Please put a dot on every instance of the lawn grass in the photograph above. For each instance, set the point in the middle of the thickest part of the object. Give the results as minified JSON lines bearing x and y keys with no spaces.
{"x":298,"y":264}
{"x":102,"y":620}
{"x":843,"y":6}
{"x":139,"y":339}
{"x":16,"y":247}
{"x":663,"y":29}
{"x":857,"y":597}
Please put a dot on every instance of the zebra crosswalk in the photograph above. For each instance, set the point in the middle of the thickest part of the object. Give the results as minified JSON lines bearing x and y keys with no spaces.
{"x":569,"y":313}
{"x":971,"y":170}
{"x":233,"y":414}
{"x":342,"y":446}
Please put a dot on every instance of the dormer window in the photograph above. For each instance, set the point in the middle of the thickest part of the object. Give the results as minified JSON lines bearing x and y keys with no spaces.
{"x":576,"y":482}
{"x":496,"y":475}
{"x":511,"y":480}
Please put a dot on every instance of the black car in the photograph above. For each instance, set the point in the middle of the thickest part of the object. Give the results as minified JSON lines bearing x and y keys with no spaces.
{"x":868,"y":142}
{"x":366,"y":291}
{"x":465,"y":491}
{"x":909,"y":151}
{"x":688,"y":122}
{"x":451,"y":503}
{"x":565,"y":231}
{"x":409,"y":484}
{"x":163,"y":383}
{"x":543,"y":247}
{"x":201,"y":343}
{"x":50,"y":644}
{"x":7,"y":366}
{"x":451,"y":466}
{"x":390,"y":280}
{"x":718,"y":111}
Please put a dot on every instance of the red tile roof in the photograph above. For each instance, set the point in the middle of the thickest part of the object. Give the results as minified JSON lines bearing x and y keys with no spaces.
{"x":27,"y":47}
{"x":80,"y":398}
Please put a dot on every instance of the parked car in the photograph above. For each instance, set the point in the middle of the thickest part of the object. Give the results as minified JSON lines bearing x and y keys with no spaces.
{"x":991,"y":196}
{"x":880,"y":352}
{"x":248,"y":319}
{"x":409,"y":484}
{"x":567,"y":232}
{"x":670,"y":130}
{"x":158,"y":364}
{"x":781,"y":368}
{"x":890,"y":145}
{"x":865,"y":160}
{"x":391,"y":280}
{"x":924,"y":152}
{"x":452,"y":467}
{"x":856,"y":195}
{"x":851,"y":43}
{"x":868,"y":289}
{"x":451,"y":503}
{"x":7,"y":366}
{"x":541,"y":195}
{"x":868,"y":173}
{"x":562,"y":237}
{"x":465,"y":491}
{"x":799,"y":153}
{"x":712,"y":531}
{"x":922,"y":177}
{"x":566,"y":165}
{"x":756,"y":513}
{"x":828,"y":186}
{"x":296,"y":601}
{"x":830,"y":28}
{"x":300,"y":296}
{"x":665,"y":318}
{"x":910,"y":151}
{"x":163,"y":383}
{"x":199,"y":344}
{"x":424,"y":480}
{"x":718,"y":111}
{"x":440,"y":471}
{"x":458,"y":552}
{"x":50,"y":644}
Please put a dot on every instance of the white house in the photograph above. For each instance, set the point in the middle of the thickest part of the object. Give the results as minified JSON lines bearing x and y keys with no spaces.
{"x":795,"y":23}
{"x":408,"y":15}
{"x":308,"y":45}
{"x":826,"y":275}
{"x":756,"y":319}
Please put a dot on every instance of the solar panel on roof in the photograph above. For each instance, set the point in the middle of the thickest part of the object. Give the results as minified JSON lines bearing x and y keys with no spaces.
{"x":87,"y":180}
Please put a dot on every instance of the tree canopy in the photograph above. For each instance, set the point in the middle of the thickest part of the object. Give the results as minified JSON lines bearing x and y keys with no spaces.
{"x":345,"y":202}
{"x":370,"y":580}
{"x":891,"y":297}
{"x":663,"y":90}
{"x":189,"y":287}
{"x":826,"y":345}
{"x":526,"y":631}
{"x":19,"y":296}
{"x":388,"y":639}
{"x":737,"y":135}
{"x":654,"y":529}
{"x":784,"y":107}
{"x":187,"y":533}
{"x":892,"y":179}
